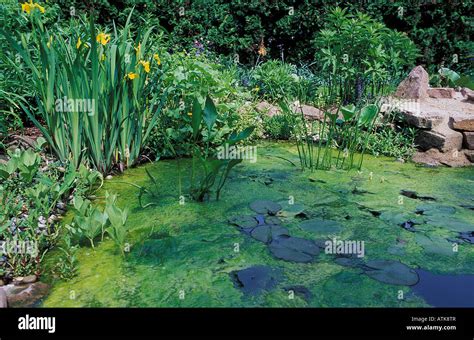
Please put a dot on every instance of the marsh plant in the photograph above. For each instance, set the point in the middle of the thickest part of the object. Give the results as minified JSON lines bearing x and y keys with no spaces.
{"x":209,"y":172}
{"x":90,"y":221}
{"x":113,"y":77}
{"x":333,"y":142}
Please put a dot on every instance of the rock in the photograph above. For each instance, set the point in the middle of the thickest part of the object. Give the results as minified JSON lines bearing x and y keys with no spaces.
{"x":311,"y":112}
{"x":267,"y":233}
{"x":267,"y":108}
{"x":265,"y":207}
{"x":441,"y":137}
{"x":441,"y":92}
{"x":415,"y":86}
{"x":108,"y":177}
{"x":294,"y":249}
{"x":254,"y":280}
{"x":463,"y":124}
{"x":25,"y":295}
{"x":468,"y":140}
{"x":3,"y":299}
{"x":469,"y":155}
{"x":468,"y":93}
{"x":433,"y":157}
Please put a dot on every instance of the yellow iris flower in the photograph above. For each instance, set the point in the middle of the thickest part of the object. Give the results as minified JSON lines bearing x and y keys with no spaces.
{"x":29,"y":6}
{"x":138,"y":48}
{"x":132,"y":75}
{"x":103,"y":38}
{"x":79,"y":43}
{"x":146,"y":65}
{"x":157,"y":58}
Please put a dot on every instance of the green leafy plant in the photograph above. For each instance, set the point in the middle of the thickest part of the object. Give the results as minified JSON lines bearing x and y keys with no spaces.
{"x":360,"y":56}
{"x":212,"y":171}
{"x":117,"y":219}
{"x":110,"y":75}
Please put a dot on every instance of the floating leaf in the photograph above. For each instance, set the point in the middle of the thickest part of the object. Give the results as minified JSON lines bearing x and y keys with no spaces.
{"x":243,"y":221}
{"x":294,"y":249}
{"x":265,"y":207}
{"x":391,"y":272}
{"x":267,"y":233}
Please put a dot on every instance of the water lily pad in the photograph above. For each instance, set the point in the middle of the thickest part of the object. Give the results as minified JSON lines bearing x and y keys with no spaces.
{"x":450,"y":223}
{"x":414,"y":195}
{"x":265,"y":207}
{"x":317,"y":225}
{"x":272,"y":220}
{"x":243,"y":221}
{"x":290,"y":210}
{"x":391,"y":272}
{"x":435,"y":209}
{"x":267,"y":233}
{"x":434,"y":244}
{"x":399,"y":218}
{"x":351,"y":262}
{"x":301,"y":291}
{"x":254,"y":280}
{"x":294,"y":249}
{"x":467,"y":236}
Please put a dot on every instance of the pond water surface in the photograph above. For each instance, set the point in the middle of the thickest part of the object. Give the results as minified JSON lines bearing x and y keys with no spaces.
{"x":190,"y":255}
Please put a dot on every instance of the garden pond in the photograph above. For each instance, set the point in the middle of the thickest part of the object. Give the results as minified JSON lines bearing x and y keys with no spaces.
{"x":263,"y":244}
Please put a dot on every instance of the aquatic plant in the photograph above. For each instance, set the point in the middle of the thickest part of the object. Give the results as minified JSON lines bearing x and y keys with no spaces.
{"x":214,"y":171}
{"x":117,"y":218}
{"x":340,"y":128}
{"x":99,"y":95}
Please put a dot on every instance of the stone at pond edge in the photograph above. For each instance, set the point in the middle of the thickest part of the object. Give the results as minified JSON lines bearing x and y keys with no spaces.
{"x":25,"y":295}
{"x":254,"y":280}
{"x":267,"y":233}
{"x":415,"y":86}
{"x":243,"y":221}
{"x":294,"y":249}
{"x":391,"y":272}
{"x":265,"y":207}
{"x":318,"y":225}
{"x":3,"y":299}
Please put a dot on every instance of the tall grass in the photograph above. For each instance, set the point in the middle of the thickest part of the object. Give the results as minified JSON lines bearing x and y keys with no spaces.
{"x":112,"y":72}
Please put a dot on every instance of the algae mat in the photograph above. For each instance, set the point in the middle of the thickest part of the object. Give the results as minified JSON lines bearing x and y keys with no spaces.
{"x":207,"y":254}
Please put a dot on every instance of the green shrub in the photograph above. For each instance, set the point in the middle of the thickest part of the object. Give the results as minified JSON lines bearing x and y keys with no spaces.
{"x":279,"y":127}
{"x":360,"y":56}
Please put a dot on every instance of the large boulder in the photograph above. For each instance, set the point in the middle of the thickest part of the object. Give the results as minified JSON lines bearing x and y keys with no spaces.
{"x":415,"y":86}
{"x":267,"y":108}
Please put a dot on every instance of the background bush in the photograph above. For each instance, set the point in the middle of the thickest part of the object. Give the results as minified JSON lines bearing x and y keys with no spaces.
{"x":440,"y":28}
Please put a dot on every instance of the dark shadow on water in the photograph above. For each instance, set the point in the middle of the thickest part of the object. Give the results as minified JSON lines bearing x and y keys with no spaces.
{"x":444,"y":290}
